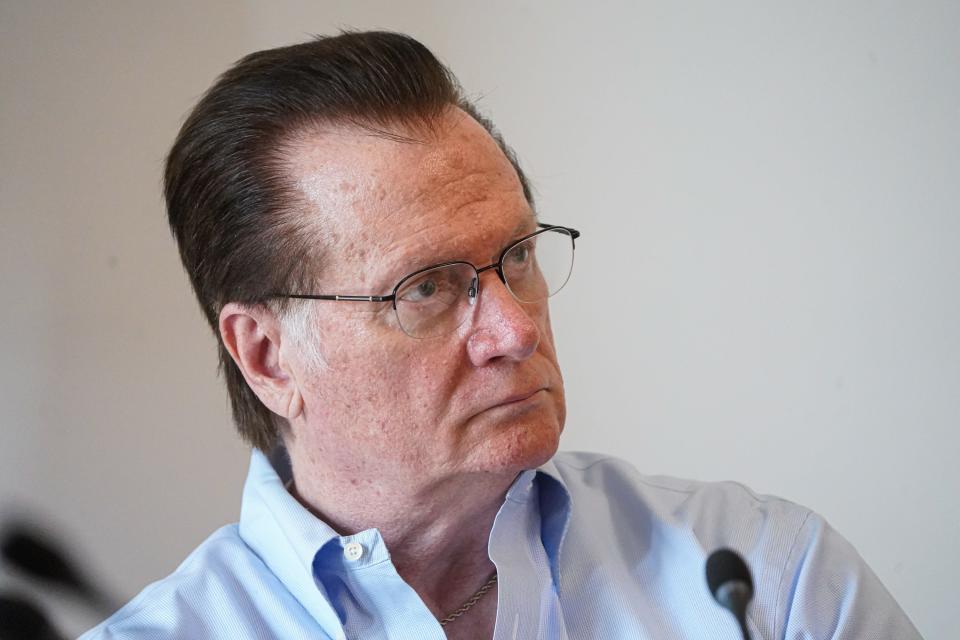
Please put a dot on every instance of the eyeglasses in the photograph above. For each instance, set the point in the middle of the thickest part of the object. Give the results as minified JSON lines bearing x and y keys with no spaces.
{"x":435,"y":300}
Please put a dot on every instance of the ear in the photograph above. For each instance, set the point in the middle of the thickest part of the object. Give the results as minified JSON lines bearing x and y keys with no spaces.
{"x":253,"y":337}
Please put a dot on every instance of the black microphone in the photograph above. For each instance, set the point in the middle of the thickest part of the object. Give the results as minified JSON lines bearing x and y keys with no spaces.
{"x":729,"y":580}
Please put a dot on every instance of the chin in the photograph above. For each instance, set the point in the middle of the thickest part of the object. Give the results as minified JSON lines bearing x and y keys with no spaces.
{"x":525,"y":444}
{"x":517,"y":436}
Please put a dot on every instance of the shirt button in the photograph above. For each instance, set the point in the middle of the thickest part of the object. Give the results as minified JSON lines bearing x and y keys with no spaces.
{"x":353,"y":551}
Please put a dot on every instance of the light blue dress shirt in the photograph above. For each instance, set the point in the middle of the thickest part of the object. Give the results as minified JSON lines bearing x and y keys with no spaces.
{"x":585,"y":548}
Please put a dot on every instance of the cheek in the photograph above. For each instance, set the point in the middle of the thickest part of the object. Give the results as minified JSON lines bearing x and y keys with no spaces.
{"x":389,"y":379}
{"x":548,"y":349}
{"x":428,"y":378}
{"x":547,"y":346}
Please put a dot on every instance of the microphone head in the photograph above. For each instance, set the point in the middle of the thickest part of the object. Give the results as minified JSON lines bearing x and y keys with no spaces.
{"x":730,"y":584}
{"x":725,"y":566}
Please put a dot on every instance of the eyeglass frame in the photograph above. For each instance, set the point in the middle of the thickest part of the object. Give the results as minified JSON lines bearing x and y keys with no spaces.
{"x":392,"y":297}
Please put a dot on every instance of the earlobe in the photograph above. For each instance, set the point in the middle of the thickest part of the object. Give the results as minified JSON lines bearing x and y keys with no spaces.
{"x":252,"y":336}
{"x":295,"y":405}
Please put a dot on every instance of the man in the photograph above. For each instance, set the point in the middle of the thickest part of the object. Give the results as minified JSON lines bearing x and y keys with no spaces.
{"x":366,"y":249}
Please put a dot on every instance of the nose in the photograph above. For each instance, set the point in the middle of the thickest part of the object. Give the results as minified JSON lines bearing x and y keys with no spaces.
{"x":502,"y":327}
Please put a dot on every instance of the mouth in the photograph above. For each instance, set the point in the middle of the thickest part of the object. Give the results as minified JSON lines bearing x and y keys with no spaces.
{"x":518,"y":399}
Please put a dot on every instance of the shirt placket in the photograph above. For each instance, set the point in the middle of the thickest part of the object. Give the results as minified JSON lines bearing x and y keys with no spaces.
{"x":527,"y":606}
{"x":371,"y":599}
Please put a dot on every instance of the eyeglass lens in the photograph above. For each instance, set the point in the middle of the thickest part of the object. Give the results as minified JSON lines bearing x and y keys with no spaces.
{"x":437,"y":301}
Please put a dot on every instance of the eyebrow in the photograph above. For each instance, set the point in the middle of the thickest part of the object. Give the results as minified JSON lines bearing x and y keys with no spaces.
{"x":526,"y":226}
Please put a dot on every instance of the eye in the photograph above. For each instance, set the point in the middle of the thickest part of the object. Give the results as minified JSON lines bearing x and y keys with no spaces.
{"x":438,"y":287}
{"x":518,"y":262}
{"x":426,"y":288}
{"x":520,"y":253}
{"x":421,"y":290}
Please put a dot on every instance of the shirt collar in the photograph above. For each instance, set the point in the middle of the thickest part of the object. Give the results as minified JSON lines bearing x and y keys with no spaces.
{"x":555,"y":507}
{"x":288,"y":538}
{"x":285,"y":535}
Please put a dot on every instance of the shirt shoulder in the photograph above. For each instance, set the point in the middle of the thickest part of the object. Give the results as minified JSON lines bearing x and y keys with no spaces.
{"x":623,"y":518}
{"x":210,"y":595}
{"x":706,"y":506}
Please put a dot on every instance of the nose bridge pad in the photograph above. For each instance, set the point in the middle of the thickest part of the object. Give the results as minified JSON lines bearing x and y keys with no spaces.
{"x":473,"y":291}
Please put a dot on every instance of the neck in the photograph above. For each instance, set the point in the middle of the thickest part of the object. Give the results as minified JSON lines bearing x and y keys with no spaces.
{"x":437,"y":532}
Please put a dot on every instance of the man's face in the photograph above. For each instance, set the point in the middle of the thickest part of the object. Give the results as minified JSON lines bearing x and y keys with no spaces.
{"x":381,"y":404}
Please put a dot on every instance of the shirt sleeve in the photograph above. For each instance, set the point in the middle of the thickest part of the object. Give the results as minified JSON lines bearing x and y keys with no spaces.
{"x":830,"y":593}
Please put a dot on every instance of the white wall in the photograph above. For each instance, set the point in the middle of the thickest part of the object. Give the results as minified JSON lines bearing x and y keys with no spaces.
{"x":766,"y":288}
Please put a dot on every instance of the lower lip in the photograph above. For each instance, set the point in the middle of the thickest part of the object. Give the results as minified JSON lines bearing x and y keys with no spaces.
{"x":516,"y":403}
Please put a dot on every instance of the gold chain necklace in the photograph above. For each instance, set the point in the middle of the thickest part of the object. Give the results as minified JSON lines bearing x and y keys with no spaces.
{"x":474,"y":599}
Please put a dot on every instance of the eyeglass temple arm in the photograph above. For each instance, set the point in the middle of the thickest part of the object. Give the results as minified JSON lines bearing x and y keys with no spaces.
{"x":304,"y":296}
{"x":573,"y":232}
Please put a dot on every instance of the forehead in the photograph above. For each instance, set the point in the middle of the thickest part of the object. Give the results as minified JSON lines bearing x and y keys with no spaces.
{"x":382,"y":204}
